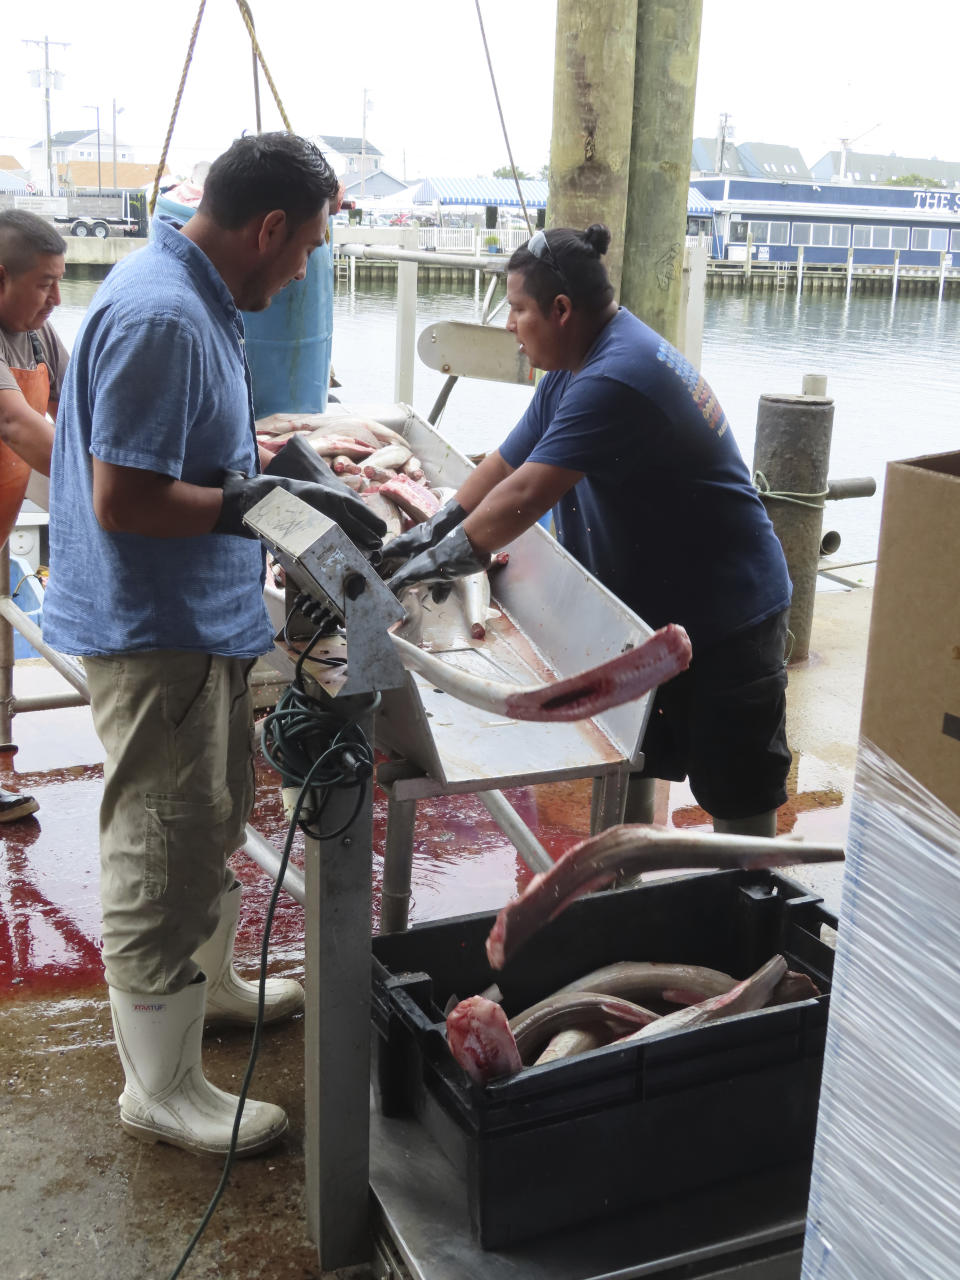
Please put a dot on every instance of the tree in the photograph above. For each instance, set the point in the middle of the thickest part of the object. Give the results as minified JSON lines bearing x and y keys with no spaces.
{"x":544,"y":172}
{"x":506,"y":172}
{"x":915,"y":180}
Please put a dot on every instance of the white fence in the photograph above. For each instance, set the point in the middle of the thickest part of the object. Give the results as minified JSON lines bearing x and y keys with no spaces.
{"x":471,"y":240}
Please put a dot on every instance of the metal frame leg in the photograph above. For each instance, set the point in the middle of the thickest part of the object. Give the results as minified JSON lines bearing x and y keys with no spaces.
{"x":608,"y":799}
{"x":337,"y":1031}
{"x":397,"y":864}
{"x":6,"y":656}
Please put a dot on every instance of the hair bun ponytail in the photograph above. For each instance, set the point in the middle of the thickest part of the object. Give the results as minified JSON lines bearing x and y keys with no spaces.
{"x":597,"y":237}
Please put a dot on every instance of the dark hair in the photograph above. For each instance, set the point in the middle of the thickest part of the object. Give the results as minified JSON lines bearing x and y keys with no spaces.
{"x":24,"y":237}
{"x":576,"y":269}
{"x":266,"y":171}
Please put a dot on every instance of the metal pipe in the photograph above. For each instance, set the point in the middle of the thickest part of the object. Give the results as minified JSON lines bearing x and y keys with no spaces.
{"x":32,"y":634}
{"x":376,"y":254}
{"x":267,"y":856}
{"x":856,"y":487}
{"x":516,"y":830}
{"x":397,"y":864}
{"x":48,"y":702}
{"x":6,"y":652}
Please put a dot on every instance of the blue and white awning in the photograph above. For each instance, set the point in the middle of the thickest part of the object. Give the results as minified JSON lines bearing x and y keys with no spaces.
{"x":698,"y":206}
{"x":482,"y":191}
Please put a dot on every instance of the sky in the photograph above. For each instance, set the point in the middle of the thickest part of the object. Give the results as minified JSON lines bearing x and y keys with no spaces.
{"x":802,"y":75}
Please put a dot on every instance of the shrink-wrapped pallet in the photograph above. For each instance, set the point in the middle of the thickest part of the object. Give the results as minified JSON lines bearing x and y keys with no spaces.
{"x":885,"y":1193}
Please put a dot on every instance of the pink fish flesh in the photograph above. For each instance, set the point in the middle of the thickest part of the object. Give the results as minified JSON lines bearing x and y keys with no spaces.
{"x":597,"y":862}
{"x":628,"y":676}
{"x":415,"y":499}
{"x":481,"y":1041}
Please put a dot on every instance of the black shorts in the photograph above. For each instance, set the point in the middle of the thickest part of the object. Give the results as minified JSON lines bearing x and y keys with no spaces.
{"x":722,"y":724}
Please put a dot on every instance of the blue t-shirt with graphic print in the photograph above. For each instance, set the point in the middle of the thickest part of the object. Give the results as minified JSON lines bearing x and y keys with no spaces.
{"x":157,"y":381}
{"x":666,"y":515}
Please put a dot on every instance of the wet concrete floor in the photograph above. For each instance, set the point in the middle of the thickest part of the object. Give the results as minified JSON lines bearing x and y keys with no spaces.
{"x":78,"y":1198}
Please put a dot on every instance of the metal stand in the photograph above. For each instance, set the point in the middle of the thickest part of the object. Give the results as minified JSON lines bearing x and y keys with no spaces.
{"x":337,"y":1025}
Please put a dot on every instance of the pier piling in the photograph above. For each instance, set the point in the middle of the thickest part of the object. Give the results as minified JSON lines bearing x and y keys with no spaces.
{"x":790,"y":463}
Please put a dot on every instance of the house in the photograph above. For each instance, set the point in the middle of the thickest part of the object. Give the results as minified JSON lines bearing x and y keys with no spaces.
{"x":705,"y":158}
{"x":80,"y":176}
{"x":748,"y":160}
{"x":374,"y":185}
{"x":350,"y":157}
{"x":772,"y":160}
{"x":71,"y":145}
{"x":861,"y":166}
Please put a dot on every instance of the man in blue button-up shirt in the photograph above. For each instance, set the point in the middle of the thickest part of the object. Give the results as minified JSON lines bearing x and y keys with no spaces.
{"x":157,"y":584}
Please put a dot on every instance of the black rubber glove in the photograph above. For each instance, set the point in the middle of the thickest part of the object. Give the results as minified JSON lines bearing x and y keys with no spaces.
{"x":339,"y":503}
{"x":422,"y":536}
{"x":297,"y":461}
{"x":452,"y":557}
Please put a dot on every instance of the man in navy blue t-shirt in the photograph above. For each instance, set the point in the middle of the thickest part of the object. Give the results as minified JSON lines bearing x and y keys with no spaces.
{"x":627,"y":444}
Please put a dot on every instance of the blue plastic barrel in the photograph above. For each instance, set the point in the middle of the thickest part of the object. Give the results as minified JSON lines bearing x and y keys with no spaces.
{"x":289,"y":344}
{"x":27,"y":594}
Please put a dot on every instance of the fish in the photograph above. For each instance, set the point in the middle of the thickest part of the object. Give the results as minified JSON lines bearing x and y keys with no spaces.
{"x":596,"y":863}
{"x":379,"y":475}
{"x":634,"y":980}
{"x":415,"y":499}
{"x":481,"y":1041}
{"x":752,"y":993}
{"x":584,"y":1009}
{"x":332,"y":446}
{"x":342,"y":465}
{"x":413,"y":469}
{"x":568,"y":1044}
{"x":621,"y":679}
{"x":390,"y":456}
{"x":473,"y":592}
{"x":794,"y":987}
{"x":387,"y":512}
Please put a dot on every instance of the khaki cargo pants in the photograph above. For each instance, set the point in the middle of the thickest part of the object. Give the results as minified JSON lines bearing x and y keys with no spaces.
{"x":178,"y":787}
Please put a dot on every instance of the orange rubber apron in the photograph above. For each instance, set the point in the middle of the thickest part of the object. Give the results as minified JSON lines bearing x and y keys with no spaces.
{"x":14,"y":472}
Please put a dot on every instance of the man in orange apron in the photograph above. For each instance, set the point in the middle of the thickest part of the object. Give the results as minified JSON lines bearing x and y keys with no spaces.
{"x":32,"y":363}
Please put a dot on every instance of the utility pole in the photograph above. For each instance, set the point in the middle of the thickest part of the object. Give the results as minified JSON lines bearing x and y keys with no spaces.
{"x":724,"y":123}
{"x":665,"y":82}
{"x":99,"y":186}
{"x":363,"y":147}
{"x":115,"y":114}
{"x":48,"y":137}
{"x":592,"y":119}
{"x":623,"y":97}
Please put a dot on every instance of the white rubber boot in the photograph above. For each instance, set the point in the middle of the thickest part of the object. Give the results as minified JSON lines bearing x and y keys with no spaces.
{"x":231,"y":1000}
{"x":167,"y":1098}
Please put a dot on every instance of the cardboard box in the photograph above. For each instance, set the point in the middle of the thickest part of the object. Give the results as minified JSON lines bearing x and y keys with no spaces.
{"x":911,"y":698}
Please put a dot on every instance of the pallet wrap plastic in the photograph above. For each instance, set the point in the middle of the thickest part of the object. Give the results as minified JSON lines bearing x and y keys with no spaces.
{"x":885,"y":1193}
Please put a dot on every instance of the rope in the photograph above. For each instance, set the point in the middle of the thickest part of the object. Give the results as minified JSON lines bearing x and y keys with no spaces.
{"x":762,"y":486}
{"x":176,"y":108}
{"x":245,"y":14}
{"x":503,"y":123}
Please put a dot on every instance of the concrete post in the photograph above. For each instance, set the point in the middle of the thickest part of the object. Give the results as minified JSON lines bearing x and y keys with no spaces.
{"x":896,"y":273}
{"x":748,"y":260}
{"x":814,"y":384}
{"x":665,"y":78}
{"x":792,"y":452}
{"x":943,"y":272}
{"x":800,"y":271}
{"x":592,"y":119}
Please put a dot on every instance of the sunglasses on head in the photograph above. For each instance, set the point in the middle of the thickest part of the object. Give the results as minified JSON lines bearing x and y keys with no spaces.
{"x":540,"y":248}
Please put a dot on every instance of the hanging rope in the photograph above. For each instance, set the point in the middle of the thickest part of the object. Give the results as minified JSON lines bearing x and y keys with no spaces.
{"x":503,"y":123}
{"x":176,"y":107}
{"x":245,"y":14}
{"x":813,"y":500}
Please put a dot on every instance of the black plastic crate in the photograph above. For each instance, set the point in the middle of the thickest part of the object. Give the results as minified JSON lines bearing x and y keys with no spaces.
{"x":605,"y":1132}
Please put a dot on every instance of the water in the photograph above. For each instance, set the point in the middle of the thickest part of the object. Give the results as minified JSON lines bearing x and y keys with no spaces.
{"x":891,"y":369}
